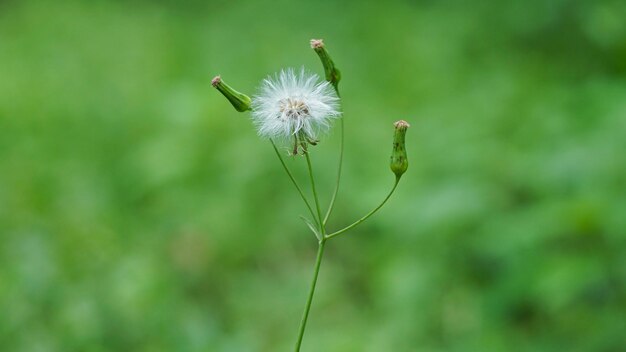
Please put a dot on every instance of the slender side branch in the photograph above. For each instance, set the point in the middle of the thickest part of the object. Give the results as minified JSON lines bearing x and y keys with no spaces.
{"x":334,"y":234}
{"x":293,"y":180}
{"x":334,"y":196}
{"x":317,"y":202}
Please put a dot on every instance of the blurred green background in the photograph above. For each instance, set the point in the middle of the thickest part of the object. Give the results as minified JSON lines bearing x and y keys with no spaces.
{"x":140,"y":212}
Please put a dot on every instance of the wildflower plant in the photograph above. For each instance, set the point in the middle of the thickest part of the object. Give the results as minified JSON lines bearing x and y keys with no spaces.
{"x":295,"y":108}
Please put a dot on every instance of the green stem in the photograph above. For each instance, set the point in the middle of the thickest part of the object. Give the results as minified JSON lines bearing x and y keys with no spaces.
{"x":334,"y":234}
{"x":320,"y":254}
{"x":341,"y":143}
{"x":336,"y":190}
{"x":293,"y":180}
{"x":317,"y":202}
{"x":307,"y":307}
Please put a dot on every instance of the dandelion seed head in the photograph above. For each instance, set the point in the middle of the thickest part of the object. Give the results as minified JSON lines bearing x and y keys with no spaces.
{"x":290,"y":103}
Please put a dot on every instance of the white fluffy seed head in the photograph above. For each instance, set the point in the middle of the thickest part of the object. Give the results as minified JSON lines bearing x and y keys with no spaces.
{"x":290,"y":103}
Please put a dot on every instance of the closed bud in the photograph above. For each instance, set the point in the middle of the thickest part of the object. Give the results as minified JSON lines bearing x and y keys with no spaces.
{"x":331,"y":72}
{"x":399,"y":161}
{"x":240,"y":101}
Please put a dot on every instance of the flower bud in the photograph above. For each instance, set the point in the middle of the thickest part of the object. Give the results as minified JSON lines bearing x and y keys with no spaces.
{"x":399,"y":161}
{"x":240,"y":101}
{"x":332,"y":73}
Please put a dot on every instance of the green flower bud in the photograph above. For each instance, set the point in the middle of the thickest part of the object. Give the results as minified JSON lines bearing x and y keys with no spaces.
{"x":399,"y":161}
{"x":240,"y":101}
{"x":332,"y":73}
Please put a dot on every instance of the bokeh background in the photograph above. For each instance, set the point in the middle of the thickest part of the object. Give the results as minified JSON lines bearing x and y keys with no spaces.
{"x":140,"y":212}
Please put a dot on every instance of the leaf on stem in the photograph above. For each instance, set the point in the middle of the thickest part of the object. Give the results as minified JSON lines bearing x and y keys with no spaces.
{"x":312,"y":227}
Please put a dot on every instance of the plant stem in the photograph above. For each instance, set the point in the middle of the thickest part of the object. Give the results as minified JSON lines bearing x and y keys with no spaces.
{"x":341,"y":143}
{"x":336,"y":190}
{"x":334,"y":234}
{"x":293,"y":180}
{"x":317,"y":202}
{"x":307,"y":307}
{"x":320,"y":254}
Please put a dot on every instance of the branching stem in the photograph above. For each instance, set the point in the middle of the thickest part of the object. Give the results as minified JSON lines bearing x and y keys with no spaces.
{"x":293,"y":180}
{"x":318,"y":261}
{"x":354,"y":224}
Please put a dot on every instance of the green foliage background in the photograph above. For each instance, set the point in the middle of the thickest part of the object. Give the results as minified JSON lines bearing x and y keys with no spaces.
{"x":140,"y":212}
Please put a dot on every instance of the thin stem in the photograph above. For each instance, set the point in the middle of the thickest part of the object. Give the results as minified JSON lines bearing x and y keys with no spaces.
{"x":336,"y":190}
{"x":368,"y":214}
{"x":317,"y":202}
{"x":293,"y":180}
{"x":307,"y":307}
{"x":318,"y":261}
